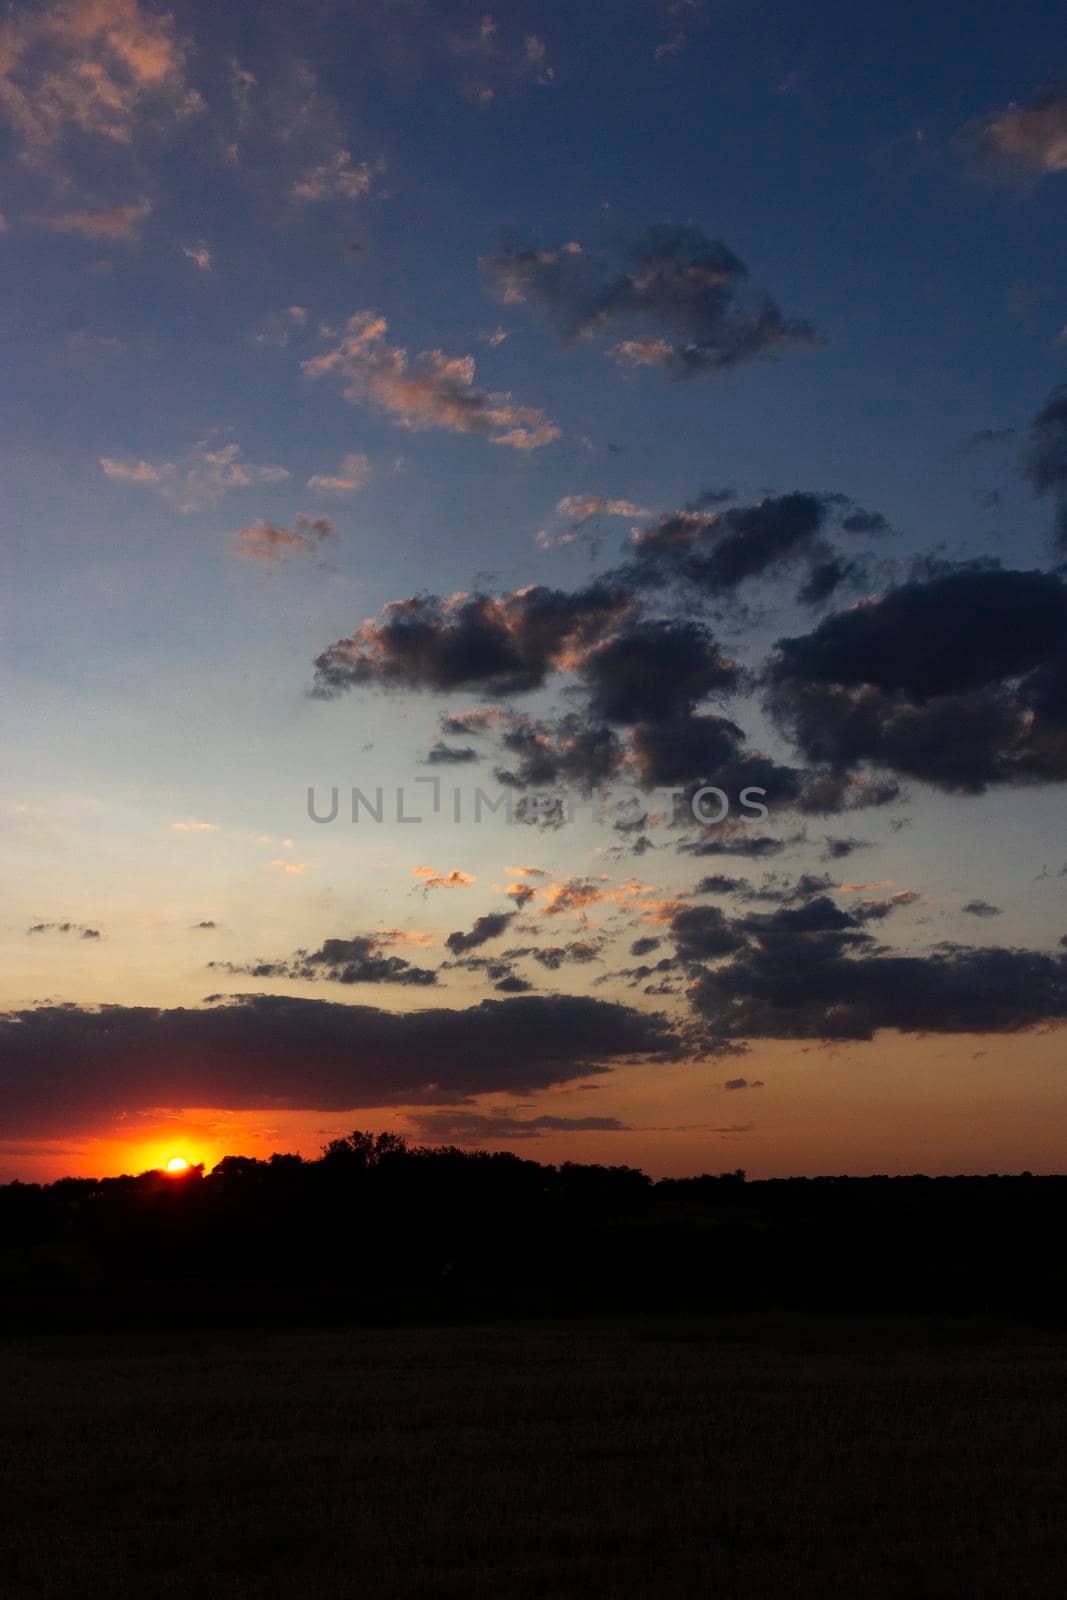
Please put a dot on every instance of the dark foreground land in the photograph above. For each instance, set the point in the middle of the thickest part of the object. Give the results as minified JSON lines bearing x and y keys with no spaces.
{"x":752,"y":1455}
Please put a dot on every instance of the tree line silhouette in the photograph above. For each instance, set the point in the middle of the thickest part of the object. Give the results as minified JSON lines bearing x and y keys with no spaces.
{"x":377,"y":1229}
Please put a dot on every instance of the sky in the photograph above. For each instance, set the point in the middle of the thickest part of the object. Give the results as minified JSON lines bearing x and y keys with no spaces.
{"x":631,"y":453}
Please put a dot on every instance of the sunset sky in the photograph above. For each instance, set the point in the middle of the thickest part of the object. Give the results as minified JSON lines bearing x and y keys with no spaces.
{"x":588,"y":402}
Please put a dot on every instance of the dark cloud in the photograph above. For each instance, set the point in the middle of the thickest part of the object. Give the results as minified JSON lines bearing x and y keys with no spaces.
{"x":77,"y":928}
{"x":960,"y":680}
{"x":505,"y":644}
{"x":1045,"y":459}
{"x":442,"y":754}
{"x":877,"y":910}
{"x":720,"y":883}
{"x":860,"y":521}
{"x":981,"y":908}
{"x":644,"y":946}
{"x":709,"y":749}
{"x":711,"y":497}
{"x":775,"y":890}
{"x":703,"y":933}
{"x":678,"y":301}
{"x":360,"y":959}
{"x":839,"y":847}
{"x":714,"y":551}
{"x":569,"y":751}
{"x":826,"y":577}
{"x":985,"y":440}
{"x":744,"y":1083}
{"x":554,"y":956}
{"x":206,"y":924}
{"x":68,"y":1066}
{"x":655,"y":669}
{"x":471,"y":724}
{"x":475,"y":1127}
{"x":737,"y":839}
{"x":806,"y":982}
{"x":491,"y":926}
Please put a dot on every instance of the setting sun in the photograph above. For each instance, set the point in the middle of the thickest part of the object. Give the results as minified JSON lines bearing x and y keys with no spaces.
{"x":177,"y":1164}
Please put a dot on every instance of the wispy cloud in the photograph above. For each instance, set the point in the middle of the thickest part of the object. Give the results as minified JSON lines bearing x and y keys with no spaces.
{"x":265,"y":541}
{"x":432,"y":879}
{"x":198,"y":479}
{"x":121,"y":223}
{"x":1024,"y":141}
{"x":90,"y":66}
{"x":352,"y":474}
{"x":200,"y":254}
{"x":429,"y":390}
{"x":338,"y":179}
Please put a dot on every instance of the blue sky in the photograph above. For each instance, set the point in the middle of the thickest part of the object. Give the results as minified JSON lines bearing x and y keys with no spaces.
{"x":197,"y":205}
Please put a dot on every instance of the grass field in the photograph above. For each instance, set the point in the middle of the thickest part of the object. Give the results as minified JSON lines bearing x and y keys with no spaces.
{"x":722,"y":1457}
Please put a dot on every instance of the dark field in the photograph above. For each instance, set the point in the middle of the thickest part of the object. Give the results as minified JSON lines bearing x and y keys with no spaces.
{"x":737,"y":1456}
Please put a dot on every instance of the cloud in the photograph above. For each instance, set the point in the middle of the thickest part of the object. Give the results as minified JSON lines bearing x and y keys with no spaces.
{"x":90,"y":67}
{"x":195,"y":827}
{"x":839,"y":848}
{"x":817,"y":979}
{"x":554,"y":956}
{"x":678,"y":12}
{"x":568,"y":751}
{"x":358,"y":959}
{"x":678,"y":300}
{"x":78,"y":928}
{"x":473,"y":1127}
{"x":121,"y":223}
{"x":1025,"y":141}
{"x":578,"y":894}
{"x":506,"y":644}
{"x":774,"y":890}
{"x":712,"y":551}
{"x":737,"y":839}
{"x":456,"y":879}
{"x":491,"y":926}
{"x":431,"y":390}
{"x":198,"y":480}
{"x":645,"y":674}
{"x":276,"y":328}
{"x":492,"y":62}
{"x":655,"y":670}
{"x":1045,"y":458}
{"x":353,"y":474}
{"x":744,"y":1083}
{"x":581,"y":509}
{"x":960,"y":680}
{"x":267,"y":542}
{"x":198,"y":253}
{"x":473,"y":723}
{"x":981,"y":908}
{"x":447,"y":755}
{"x":704,"y":933}
{"x":68,"y":1066}
{"x":338,"y":179}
